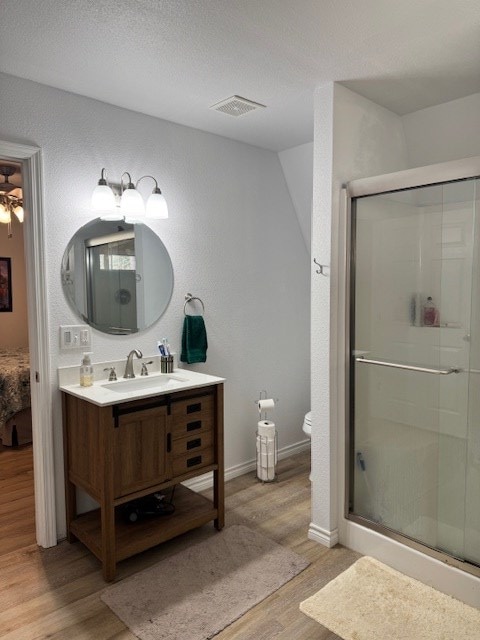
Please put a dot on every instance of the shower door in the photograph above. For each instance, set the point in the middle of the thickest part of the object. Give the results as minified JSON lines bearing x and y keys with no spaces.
{"x":415,"y":366}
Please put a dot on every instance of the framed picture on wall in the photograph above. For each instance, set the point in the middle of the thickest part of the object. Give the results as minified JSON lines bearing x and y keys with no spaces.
{"x":5,"y":284}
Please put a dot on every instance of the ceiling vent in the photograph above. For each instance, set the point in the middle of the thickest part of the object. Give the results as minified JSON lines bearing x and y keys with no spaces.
{"x":236,"y":106}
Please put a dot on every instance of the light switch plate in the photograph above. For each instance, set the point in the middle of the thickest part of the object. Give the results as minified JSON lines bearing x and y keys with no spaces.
{"x":75,"y":336}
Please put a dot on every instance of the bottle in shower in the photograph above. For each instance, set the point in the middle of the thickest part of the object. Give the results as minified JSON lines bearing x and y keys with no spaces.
{"x":430,"y":313}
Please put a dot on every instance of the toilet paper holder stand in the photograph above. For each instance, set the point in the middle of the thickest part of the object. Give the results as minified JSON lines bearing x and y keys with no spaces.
{"x":263,"y":396}
{"x":267,"y":445}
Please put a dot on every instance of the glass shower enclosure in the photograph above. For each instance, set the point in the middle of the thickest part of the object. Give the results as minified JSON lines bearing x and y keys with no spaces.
{"x":414,"y":380}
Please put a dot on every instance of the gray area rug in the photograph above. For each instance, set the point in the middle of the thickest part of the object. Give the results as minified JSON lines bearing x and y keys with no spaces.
{"x":199,"y":591}
{"x":371,"y":601}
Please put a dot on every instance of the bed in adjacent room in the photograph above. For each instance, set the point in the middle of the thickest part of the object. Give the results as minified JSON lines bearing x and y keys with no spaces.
{"x":15,"y":413}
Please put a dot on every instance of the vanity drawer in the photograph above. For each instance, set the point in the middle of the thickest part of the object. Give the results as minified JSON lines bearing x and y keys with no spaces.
{"x":194,"y":460}
{"x":193,"y":443}
{"x":192,"y":416}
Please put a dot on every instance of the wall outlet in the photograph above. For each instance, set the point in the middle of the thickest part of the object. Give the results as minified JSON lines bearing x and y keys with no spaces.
{"x":75,"y":336}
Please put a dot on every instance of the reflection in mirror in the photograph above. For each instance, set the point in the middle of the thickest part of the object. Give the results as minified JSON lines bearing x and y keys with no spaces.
{"x":117,"y":276}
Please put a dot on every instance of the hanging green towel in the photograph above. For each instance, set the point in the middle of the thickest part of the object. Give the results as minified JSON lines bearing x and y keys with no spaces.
{"x":194,"y":340}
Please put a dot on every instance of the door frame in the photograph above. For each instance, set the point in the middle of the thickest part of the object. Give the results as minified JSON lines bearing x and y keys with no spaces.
{"x":41,"y":396}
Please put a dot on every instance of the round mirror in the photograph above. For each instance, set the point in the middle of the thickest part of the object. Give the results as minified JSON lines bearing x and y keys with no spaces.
{"x":117,"y":276}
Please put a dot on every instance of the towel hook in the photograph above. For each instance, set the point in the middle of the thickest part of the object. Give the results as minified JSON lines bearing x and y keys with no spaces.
{"x":321,"y":267}
{"x":189,"y":298}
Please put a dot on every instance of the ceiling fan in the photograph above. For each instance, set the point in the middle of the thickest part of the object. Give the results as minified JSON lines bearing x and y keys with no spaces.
{"x":10,"y":202}
{"x":7,"y":171}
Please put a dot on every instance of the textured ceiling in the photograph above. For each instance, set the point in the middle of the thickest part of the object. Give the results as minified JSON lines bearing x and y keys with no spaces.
{"x":173,"y":59}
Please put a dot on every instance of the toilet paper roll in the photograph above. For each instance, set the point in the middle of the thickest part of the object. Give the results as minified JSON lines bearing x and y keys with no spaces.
{"x":266,"y":428}
{"x":265,"y":446}
{"x":266,"y":460}
{"x":266,"y":475}
{"x":265,"y":404}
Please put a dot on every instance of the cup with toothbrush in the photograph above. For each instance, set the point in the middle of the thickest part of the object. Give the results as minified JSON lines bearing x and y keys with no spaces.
{"x":166,"y":358}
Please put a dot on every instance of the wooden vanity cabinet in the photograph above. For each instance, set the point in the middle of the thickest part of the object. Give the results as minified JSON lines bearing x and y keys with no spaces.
{"x":121,"y":452}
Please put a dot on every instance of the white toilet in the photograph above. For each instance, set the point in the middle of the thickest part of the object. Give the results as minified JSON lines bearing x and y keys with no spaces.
{"x":307,"y":428}
{"x":307,"y":424}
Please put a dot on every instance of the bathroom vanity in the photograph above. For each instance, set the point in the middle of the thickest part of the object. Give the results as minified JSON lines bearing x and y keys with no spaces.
{"x":128,"y":439}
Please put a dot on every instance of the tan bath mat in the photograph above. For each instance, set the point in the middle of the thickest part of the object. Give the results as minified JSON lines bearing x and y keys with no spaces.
{"x":199,"y":591}
{"x":370,"y":601}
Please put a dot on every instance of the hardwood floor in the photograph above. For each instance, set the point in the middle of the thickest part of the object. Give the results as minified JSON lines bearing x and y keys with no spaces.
{"x":17,"y":505}
{"x":55,"y":593}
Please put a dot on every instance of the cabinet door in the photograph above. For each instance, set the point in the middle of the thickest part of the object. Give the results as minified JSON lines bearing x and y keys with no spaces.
{"x":140,"y":450}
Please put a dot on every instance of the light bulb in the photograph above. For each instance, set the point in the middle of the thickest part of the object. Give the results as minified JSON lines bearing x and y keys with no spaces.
{"x":5,"y":216}
{"x":131,"y":205}
{"x":156,"y":206}
{"x":18,"y":211}
{"x":102,"y":198}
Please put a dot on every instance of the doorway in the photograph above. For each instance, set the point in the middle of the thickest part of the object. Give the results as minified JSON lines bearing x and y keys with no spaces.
{"x":41,"y":402}
{"x":17,"y":506}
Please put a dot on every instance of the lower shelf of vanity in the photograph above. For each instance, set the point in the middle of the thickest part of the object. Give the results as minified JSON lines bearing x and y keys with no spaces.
{"x":191,"y":510}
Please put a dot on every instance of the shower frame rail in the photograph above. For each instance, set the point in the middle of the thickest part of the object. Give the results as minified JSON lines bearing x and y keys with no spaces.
{"x":410,"y":367}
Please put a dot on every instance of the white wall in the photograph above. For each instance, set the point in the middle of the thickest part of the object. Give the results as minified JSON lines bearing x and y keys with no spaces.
{"x":354,"y":137}
{"x":448,"y":131}
{"x":297,"y":165}
{"x":232,"y":235}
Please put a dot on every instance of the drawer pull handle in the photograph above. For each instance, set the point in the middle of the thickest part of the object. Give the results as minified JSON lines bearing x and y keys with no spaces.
{"x":192,"y":462}
{"x":193,"y":444}
{"x":193,"y":408}
{"x":193,"y":426}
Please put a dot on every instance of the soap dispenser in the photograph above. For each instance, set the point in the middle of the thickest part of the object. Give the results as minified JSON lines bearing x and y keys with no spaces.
{"x":86,"y":371}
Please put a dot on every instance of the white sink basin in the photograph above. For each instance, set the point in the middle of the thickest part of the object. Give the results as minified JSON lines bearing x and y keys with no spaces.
{"x":159,"y":381}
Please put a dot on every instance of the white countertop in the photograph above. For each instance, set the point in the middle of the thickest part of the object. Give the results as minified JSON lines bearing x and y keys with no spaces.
{"x":104,"y":393}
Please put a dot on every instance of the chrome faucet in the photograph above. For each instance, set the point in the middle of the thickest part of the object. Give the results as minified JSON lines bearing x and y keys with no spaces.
{"x":129,"y":366}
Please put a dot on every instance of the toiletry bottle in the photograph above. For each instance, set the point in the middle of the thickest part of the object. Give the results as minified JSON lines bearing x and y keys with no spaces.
{"x":86,"y":371}
{"x":430,"y":313}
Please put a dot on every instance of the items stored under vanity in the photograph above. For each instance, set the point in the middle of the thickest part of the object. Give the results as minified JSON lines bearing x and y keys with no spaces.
{"x":119,"y":448}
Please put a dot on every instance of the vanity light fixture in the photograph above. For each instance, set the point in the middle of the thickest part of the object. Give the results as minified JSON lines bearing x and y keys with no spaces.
{"x":131,"y":206}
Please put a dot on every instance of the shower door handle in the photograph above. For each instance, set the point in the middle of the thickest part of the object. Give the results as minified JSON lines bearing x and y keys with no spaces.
{"x":409,"y":367}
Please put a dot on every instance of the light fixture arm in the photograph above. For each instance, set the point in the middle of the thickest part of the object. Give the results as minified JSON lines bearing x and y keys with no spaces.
{"x":156,"y":189}
{"x":103,"y":178}
{"x":130,"y":184}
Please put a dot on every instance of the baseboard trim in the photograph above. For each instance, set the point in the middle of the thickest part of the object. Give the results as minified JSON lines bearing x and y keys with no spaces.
{"x":206,"y":481}
{"x":326,"y":538}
